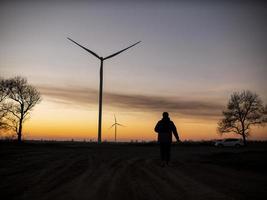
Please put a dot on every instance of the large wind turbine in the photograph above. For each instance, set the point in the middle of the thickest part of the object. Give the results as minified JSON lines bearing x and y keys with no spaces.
{"x":101,"y":81}
{"x":116,"y":124}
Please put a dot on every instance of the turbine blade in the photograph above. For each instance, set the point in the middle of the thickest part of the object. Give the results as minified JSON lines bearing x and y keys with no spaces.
{"x":93,"y":53}
{"x":121,"y":51}
{"x":120,"y":124}
{"x":112,"y":126}
{"x":115,"y":119}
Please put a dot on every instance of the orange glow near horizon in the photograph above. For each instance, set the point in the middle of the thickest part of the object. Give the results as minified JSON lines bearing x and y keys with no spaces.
{"x":50,"y":121}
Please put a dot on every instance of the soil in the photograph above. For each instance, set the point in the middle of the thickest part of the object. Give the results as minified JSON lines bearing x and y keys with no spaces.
{"x":77,"y":170}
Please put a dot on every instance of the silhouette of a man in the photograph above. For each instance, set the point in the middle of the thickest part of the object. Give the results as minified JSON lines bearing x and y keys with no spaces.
{"x":165,"y":128}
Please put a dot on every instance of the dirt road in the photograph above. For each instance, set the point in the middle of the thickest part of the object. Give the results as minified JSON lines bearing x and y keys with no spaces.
{"x":89,"y":171}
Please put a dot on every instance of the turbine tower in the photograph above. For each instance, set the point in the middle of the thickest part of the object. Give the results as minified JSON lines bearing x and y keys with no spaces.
{"x":116,"y":124}
{"x":101,"y":80}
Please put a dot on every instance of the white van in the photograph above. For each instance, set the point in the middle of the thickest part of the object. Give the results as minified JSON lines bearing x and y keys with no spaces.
{"x":229,"y":142}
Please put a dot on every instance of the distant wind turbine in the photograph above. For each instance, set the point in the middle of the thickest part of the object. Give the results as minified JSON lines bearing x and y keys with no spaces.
{"x":101,"y":80}
{"x":116,"y":124}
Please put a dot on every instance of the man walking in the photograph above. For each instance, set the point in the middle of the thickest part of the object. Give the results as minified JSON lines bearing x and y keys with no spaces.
{"x":165,"y":128}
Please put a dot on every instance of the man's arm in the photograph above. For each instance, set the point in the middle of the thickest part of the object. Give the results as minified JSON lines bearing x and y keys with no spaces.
{"x":157,"y":128}
{"x":175,"y":133}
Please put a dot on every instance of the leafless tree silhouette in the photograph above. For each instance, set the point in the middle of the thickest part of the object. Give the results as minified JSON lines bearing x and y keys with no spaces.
{"x":3,"y":105}
{"x":244,"y":109}
{"x":23,"y":97}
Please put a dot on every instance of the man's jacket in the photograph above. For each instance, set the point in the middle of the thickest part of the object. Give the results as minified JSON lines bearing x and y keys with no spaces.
{"x":165,"y":127}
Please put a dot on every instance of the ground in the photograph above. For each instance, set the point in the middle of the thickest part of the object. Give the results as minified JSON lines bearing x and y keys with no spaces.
{"x":70,"y":170}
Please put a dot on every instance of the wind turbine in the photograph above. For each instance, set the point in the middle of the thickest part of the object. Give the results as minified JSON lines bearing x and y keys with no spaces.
{"x":116,"y":124}
{"x":101,"y":80}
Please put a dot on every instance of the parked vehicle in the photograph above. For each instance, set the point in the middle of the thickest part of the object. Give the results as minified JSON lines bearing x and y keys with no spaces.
{"x":229,"y":142}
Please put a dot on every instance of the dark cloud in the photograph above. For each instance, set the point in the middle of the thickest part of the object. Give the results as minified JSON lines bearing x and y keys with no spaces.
{"x":75,"y":95}
{"x":132,"y":102}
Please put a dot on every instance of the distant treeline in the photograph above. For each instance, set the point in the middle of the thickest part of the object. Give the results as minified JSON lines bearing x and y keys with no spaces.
{"x":138,"y":143}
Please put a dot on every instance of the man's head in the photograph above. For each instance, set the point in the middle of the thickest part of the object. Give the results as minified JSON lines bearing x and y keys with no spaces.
{"x":165,"y":115}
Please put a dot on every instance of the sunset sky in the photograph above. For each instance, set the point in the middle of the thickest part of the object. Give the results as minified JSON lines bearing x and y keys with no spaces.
{"x":191,"y":58}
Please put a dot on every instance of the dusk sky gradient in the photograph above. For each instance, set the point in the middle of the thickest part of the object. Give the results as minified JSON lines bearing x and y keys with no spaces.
{"x":192,"y":57}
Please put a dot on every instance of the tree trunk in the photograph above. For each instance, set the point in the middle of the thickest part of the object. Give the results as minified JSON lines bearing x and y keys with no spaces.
{"x":244,"y":139}
{"x":20,"y":122}
{"x":20,"y":130}
{"x":243,"y":134}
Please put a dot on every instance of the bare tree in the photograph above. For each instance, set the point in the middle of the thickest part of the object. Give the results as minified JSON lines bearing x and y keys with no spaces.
{"x":244,"y":109}
{"x":3,"y":104}
{"x":24,"y":97}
